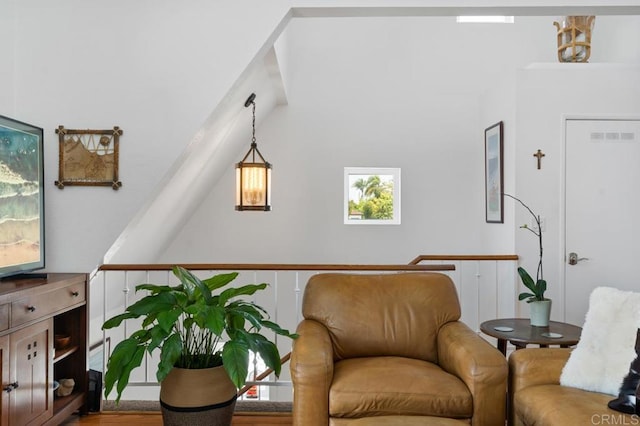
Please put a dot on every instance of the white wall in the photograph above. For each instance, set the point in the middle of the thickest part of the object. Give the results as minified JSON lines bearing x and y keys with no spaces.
{"x":374,"y":92}
{"x":498,"y":104}
{"x":7,"y":46}
{"x":615,"y":39}
{"x":379,"y":105}
{"x":155,"y":68}
{"x":545,"y":93}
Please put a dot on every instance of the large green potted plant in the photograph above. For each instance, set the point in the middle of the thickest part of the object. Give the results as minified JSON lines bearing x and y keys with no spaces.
{"x":539,"y":306}
{"x":204,"y":331}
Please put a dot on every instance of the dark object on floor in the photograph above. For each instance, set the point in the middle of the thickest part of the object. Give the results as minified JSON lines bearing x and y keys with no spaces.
{"x":95,"y":391}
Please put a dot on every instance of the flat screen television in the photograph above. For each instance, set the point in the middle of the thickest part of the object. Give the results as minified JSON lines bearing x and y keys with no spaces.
{"x":21,"y":198}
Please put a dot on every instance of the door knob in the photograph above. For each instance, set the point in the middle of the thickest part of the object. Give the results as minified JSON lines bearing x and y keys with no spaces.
{"x":574,"y":259}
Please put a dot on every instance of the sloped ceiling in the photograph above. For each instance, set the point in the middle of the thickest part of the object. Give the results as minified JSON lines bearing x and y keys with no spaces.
{"x":219,"y":143}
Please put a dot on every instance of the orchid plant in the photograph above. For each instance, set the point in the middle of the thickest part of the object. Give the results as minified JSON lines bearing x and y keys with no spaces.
{"x":539,"y":286}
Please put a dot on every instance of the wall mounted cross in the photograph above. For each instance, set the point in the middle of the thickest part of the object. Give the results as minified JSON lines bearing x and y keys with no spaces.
{"x":539,"y":156}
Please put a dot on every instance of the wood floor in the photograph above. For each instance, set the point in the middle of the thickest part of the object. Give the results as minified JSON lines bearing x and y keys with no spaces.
{"x":155,"y":419}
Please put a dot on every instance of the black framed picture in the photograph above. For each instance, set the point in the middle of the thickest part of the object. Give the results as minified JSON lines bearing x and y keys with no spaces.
{"x":22,"y":194}
{"x":493,"y":173}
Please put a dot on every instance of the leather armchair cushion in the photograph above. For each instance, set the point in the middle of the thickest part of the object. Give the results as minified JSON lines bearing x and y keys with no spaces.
{"x":400,"y":421}
{"x":379,"y":386}
{"x":382,"y":315}
{"x":563,"y":405}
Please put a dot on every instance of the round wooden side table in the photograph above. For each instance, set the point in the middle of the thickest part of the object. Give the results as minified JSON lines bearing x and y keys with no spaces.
{"x":521,"y":333}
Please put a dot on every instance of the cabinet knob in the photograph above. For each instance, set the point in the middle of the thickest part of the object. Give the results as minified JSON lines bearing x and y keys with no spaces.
{"x":75,"y":294}
{"x":31,"y":308}
{"x":10,"y":387}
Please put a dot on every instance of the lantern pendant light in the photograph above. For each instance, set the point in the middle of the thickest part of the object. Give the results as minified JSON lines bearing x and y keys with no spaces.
{"x":253,"y":174}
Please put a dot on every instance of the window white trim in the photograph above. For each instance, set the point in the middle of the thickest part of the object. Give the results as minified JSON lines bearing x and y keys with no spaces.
{"x":389,"y":176}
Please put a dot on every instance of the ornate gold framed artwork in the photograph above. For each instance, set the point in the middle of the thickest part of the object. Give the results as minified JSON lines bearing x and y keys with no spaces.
{"x":88,"y":157}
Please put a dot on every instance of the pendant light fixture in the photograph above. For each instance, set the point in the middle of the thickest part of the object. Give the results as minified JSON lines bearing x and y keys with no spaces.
{"x":253,"y":174}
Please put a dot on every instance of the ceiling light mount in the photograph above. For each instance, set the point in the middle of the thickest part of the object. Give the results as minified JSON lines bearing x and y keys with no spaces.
{"x":250,"y":100}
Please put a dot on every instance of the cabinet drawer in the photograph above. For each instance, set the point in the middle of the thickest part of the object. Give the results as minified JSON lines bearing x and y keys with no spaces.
{"x":43,"y":304}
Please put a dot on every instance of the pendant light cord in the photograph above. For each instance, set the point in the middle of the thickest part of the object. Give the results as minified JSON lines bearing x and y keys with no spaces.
{"x":253,"y":126}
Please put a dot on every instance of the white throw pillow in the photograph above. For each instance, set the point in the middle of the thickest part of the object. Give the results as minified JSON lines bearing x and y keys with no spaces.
{"x":607,"y":344}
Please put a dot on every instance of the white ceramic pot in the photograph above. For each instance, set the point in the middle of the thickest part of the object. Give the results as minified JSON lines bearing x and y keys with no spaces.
{"x":540,"y":312}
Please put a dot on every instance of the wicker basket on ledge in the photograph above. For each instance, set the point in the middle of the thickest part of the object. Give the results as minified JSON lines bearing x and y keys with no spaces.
{"x":574,"y":38}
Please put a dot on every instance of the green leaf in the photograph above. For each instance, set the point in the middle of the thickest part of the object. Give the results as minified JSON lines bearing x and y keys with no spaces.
{"x":542,"y":286}
{"x":249,"y":312}
{"x":188,"y":322}
{"x":168,"y":319}
{"x":122,"y":351}
{"x":526,"y":279}
{"x":158,"y":334}
{"x":120,"y":364}
{"x":214,"y":320}
{"x":141,"y":336}
{"x":523,"y":296}
{"x":171,"y":350}
{"x":115,"y":321}
{"x":278,"y":330}
{"x":149,"y":319}
{"x":235,"y":358}
{"x":153,"y":288}
{"x":220,"y":280}
{"x":268,"y":351}
{"x":134,"y":362}
{"x":537,"y":288}
{"x":153,"y":304}
{"x":187,"y":280}
{"x":181,"y":298}
{"x":246,"y":290}
{"x":235,"y":322}
{"x":198,"y":285}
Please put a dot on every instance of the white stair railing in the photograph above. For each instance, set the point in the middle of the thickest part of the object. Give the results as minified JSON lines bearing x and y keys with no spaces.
{"x":485,"y":287}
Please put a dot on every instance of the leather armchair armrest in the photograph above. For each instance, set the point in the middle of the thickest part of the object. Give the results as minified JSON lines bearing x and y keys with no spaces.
{"x":311,"y":368}
{"x":480,"y":366}
{"x":535,"y":366}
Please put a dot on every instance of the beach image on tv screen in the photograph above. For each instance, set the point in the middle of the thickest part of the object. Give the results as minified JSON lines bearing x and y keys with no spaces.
{"x":19,"y":198}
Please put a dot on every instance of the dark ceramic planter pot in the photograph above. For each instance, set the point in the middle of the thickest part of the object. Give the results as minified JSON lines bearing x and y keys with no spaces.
{"x":203,"y":397}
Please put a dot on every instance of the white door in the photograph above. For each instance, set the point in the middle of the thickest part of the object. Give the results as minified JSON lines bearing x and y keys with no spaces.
{"x":602,"y":210}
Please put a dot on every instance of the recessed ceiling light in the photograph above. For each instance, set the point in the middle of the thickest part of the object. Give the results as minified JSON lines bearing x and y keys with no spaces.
{"x":485,"y":19}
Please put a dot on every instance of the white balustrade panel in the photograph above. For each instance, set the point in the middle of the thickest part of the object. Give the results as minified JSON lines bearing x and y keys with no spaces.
{"x":486,"y":289}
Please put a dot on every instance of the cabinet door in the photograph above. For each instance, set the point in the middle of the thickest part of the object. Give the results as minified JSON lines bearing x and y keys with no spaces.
{"x":5,"y":383}
{"x":31,"y":368}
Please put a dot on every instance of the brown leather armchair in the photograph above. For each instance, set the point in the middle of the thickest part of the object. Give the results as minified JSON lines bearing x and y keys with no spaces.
{"x":388,"y":349}
{"x":537,"y":398}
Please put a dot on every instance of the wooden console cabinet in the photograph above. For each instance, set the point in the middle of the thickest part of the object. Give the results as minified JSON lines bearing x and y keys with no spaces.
{"x":32,"y":312}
